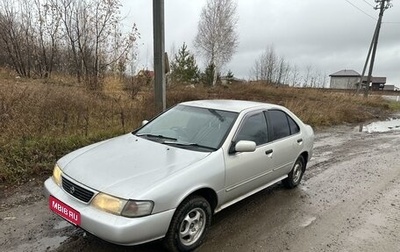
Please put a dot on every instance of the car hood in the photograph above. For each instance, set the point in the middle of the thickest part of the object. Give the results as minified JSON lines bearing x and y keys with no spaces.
{"x":126,"y":166}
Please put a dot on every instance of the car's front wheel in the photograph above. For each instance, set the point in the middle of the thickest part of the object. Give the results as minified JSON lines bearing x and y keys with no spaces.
{"x":189,"y":225}
{"x":295,"y":175}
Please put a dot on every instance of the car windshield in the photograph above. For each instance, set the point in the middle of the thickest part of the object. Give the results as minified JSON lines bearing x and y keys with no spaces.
{"x":190,"y":127}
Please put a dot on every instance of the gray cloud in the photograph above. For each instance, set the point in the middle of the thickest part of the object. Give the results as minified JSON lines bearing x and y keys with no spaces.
{"x":328,"y":35}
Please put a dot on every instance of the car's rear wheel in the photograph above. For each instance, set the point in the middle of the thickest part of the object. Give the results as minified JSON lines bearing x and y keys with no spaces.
{"x":295,"y":175}
{"x":189,"y":225}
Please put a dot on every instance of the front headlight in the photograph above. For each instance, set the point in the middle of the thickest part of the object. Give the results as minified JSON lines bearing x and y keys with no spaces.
{"x":57,"y":175}
{"x":108,"y":203}
{"x":117,"y":206}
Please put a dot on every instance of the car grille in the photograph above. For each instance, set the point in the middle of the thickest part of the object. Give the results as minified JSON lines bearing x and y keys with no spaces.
{"x":76,"y":190}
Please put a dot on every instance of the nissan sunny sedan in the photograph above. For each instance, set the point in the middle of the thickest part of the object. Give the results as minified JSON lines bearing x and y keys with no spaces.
{"x":166,"y":179}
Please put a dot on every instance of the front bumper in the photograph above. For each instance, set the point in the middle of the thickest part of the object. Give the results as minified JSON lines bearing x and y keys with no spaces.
{"x":113,"y":228}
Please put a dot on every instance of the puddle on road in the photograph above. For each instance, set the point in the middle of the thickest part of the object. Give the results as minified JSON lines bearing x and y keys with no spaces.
{"x":382,"y":126}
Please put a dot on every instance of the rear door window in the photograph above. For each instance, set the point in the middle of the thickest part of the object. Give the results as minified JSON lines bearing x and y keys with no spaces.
{"x":281,"y":124}
{"x":294,"y":128}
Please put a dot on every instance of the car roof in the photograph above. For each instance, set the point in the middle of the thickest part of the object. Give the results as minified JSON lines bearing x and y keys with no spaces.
{"x":230,"y":105}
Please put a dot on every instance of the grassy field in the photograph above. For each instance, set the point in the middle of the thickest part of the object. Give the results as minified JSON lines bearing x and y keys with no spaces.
{"x":41,"y":121}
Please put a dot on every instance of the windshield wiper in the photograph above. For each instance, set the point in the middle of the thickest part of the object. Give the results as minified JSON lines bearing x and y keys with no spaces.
{"x":156,"y":136}
{"x":218,"y":115}
{"x":184,"y":144}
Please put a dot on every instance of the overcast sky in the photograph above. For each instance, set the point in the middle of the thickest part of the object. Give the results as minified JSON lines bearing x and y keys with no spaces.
{"x":328,"y":35}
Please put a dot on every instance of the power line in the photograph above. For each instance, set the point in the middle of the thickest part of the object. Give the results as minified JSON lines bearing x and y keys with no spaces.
{"x":358,"y":8}
{"x":369,"y":4}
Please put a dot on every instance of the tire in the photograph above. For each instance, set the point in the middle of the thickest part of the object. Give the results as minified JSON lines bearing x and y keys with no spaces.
{"x":189,"y":225}
{"x":295,"y":175}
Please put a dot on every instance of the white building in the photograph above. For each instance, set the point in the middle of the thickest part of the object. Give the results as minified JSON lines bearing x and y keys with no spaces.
{"x":344,"y":79}
{"x":349,"y":79}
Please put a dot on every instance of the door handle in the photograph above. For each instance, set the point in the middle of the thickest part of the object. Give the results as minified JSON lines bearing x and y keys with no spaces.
{"x":267,"y":152}
{"x":299,"y":140}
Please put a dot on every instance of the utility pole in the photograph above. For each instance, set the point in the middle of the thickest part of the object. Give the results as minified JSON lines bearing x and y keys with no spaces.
{"x":366,"y":62}
{"x":382,"y":6}
{"x":159,"y":56}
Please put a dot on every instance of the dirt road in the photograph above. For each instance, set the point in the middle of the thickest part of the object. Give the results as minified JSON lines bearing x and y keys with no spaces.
{"x":349,"y":200}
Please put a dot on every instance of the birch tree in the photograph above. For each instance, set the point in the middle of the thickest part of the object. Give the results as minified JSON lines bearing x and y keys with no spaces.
{"x":217,"y":38}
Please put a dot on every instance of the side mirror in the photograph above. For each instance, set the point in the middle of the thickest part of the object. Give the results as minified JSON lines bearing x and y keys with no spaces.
{"x":144,"y":122}
{"x":245,"y":146}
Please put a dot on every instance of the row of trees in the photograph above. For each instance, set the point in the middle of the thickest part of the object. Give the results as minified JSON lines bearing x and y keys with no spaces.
{"x":269,"y":67}
{"x":83,"y":38}
{"x":272,"y":68}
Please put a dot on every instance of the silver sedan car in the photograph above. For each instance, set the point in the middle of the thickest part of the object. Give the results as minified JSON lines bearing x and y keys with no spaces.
{"x":167,"y":178}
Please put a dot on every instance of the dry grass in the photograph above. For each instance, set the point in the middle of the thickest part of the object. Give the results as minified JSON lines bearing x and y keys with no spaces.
{"x":318,"y":107}
{"x":42,"y":121}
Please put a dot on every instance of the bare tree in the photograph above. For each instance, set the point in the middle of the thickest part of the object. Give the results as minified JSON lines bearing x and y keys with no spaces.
{"x":274,"y":69}
{"x":29,"y":30}
{"x":47,"y":35}
{"x":80,"y":37}
{"x":15,"y":31}
{"x":97,"y":44}
{"x":265,"y":67}
{"x":66,"y":9}
{"x":111,"y":46}
{"x":281,"y":69}
{"x":255,"y":71}
{"x":286,"y":73}
{"x":270,"y":59}
{"x":217,"y":38}
{"x":316,"y":79}
{"x":324,"y":79}
{"x":295,"y":76}
{"x":307,"y":76}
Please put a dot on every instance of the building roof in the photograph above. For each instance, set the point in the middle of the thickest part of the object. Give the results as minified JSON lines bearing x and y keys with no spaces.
{"x":345,"y":73}
{"x":352,"y":73}
{"x":375,"y":79}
